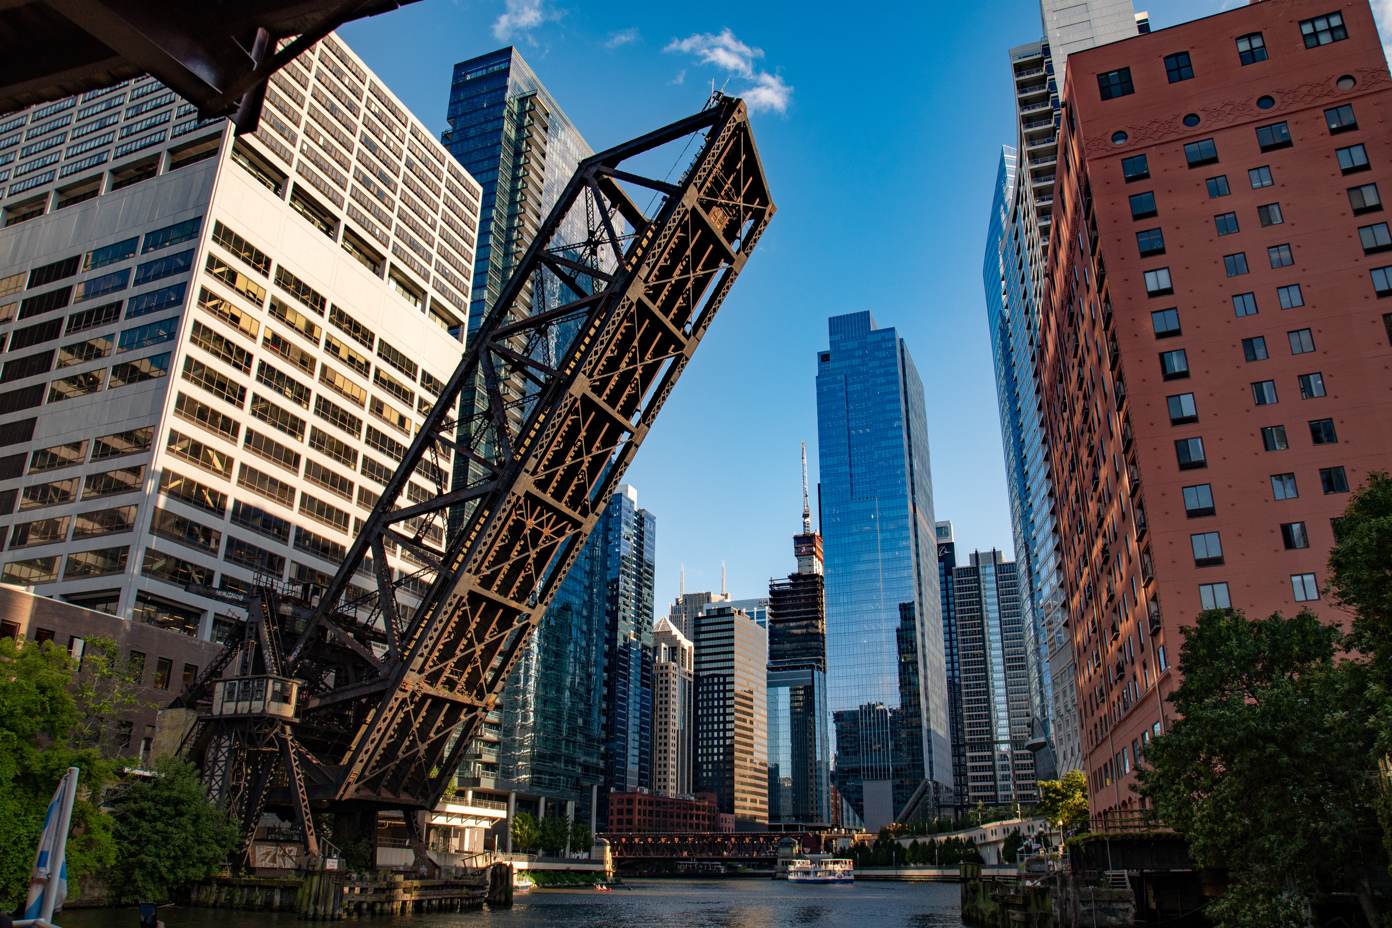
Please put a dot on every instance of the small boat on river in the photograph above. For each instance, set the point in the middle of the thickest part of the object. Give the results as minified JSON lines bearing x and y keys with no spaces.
{"x":821,"y":870}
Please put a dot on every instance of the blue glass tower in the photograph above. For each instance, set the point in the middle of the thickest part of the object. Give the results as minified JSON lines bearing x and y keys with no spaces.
{"x":886,"y":672}
{"x":630,"y":548}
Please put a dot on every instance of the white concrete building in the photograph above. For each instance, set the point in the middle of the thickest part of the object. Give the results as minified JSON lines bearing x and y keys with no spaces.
{"x":217,"y":348}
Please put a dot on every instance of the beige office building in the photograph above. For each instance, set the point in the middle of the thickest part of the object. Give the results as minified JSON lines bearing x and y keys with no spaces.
{"x":672,"y":720}
{"x":218,"y":348}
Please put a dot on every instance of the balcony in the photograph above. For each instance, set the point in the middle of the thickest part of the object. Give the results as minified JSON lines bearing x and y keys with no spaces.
{"x":1041,"y":143}
{"x":1035,"y":107}
{"x":1032,"y":90}
{"x":1037,"y":125}
{"x":1029,"y":73}
{"x":1046,"y":180}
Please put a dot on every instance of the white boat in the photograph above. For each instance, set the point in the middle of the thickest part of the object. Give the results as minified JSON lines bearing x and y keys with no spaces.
{"x":823,"y":870}
{"x":521,"y":882}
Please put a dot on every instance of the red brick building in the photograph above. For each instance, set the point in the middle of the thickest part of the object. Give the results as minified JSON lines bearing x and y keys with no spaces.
{"x":1216,"y":351}
{"x":645,"y":812}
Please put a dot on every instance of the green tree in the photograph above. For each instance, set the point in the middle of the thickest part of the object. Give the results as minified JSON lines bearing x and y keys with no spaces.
{"x":526,"y":832}
{"x":1010,"y":848}
{"x":1269,"y":769}
{"x":169,"y":834}
{"x":106,"y":687}
{"x":580,"y":838}
{"x":38,"y":719}
{"x":554,"y":832}
{"x":1064,"y":801}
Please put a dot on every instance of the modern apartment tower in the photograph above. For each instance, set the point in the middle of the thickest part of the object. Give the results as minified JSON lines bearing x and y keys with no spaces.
{"x":507,"y":130}
{"x":799,"y":753}
{"x":630,"y":546}
{"x":1215,"y":353}
{"x":731,"y":715}
{"x":1013,"y":274}
{"x":673,"y":714}
{"x":887,"y":678}
{"x":994,"y":684}
{"x":217,"y":347}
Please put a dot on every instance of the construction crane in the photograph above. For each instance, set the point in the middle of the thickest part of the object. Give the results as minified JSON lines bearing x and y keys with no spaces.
{"x":362,"y":695}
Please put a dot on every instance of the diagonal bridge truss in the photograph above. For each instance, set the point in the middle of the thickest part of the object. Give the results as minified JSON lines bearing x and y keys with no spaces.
{"x":384,"y":675}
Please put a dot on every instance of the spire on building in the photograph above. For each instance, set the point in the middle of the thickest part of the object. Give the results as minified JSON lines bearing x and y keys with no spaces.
{"x":806,"y":508}
{"x":722,"y":579}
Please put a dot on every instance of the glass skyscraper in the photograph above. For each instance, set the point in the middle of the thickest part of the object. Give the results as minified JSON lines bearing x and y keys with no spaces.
{"x":886,"y":672}
{"x":1013,"y":275}
{"x":629,"y":537}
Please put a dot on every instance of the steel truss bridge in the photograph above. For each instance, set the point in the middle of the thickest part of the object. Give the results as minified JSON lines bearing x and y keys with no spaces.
{"x":364,"y":694}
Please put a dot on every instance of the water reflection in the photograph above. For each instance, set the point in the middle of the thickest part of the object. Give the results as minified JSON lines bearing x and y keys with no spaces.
{"x":645,"y":904}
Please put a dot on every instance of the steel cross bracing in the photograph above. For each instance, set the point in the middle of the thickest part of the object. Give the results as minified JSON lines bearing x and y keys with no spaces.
{"x":561,"y":384}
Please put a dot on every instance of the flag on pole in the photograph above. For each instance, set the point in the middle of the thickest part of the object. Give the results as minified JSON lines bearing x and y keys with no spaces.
{"x":50,"y":847}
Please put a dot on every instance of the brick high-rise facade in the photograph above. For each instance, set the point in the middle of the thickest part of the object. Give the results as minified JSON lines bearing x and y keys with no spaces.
{"x":1216,"y":358}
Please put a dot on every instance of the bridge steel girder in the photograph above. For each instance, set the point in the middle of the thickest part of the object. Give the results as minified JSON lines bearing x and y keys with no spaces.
{"x":564,"y":379}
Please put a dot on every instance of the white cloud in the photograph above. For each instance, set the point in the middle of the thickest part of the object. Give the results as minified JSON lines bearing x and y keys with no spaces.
{"x":765,"y":91}
{"x":521,"y":17}
{"x":680,"y":78}
{"x":623,"y":37}
{"x":1382,"y":12}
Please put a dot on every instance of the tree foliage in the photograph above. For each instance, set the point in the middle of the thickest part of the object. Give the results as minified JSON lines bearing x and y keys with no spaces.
{"x":555,"y":831}
{"x":1269,"y":770}
{"x":580,"y":838}
{"x":170,"y":834}
{"x":526,"y":832}
{"x":1064,"y":801}
{"x":38,"y":720}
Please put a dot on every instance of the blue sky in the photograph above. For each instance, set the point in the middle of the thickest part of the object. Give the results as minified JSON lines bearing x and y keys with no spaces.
{"x":880,"y":132}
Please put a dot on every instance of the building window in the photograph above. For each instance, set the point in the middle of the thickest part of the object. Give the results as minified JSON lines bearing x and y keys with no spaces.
{"x":1251,"y":48}
{"x":1178,"y":68}
{"x":1264,"y":392}
{"x":1274,"y":136}
{"x":1135,"y":168}
{"x":1182,"y":409}
{"x":1115,"y":83}
{"x":1274,"y":438}
{"x":1245,"y":304}
{"x":1200,"y":153}
{"x":1301,"y":341}
{"x":1304,"y":587}
{"x":1254,"y":349}
{"x":1260,"y":177}
{"x":1190,"y":452}
{"x":1143,"y":205}
{"x":1323,"y":29}
{"x":1227,"y":224}
{"x":1280,"y":256}
{"x":1311,"y":386}
{"x":1382,"y":280}
{"x":1151,"y":242}
{"x":1214,"y":596}
{"x":1375,"y":238}
{"x":1283,"y":487}
{"x":1208,"y":549}
{"x":1294,"y":535}
{"x":1340,"y":119}
{"x":1198,"y":501}
{"x":1235,"y":265}
{"x":1270,"y":214}
{"x":1353,"y":159}
{"x":1174,"y":364}
{"x":1322,"y":432}
{"x":1364,"y":199}
{"x":1166,"y":323}
{"x":1333,"y":480}
{"x":1157,"y":282}
{"x":1290,"y":296}
{"x":1218,"y":186}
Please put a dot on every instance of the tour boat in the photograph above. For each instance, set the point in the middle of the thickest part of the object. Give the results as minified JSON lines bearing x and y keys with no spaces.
{"x":826,"y":870}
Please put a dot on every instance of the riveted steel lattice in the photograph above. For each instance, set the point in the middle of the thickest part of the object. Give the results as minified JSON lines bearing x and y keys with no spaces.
{"x":559,"y":388}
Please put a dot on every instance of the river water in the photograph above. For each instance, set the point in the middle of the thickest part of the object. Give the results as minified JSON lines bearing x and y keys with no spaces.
{"x":645,"y":904}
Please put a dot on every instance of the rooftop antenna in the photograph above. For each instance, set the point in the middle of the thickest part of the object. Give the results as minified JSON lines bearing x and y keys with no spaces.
{"x":683,"y":580}
{"x":722,"y":579}
{"x":806,"y":510}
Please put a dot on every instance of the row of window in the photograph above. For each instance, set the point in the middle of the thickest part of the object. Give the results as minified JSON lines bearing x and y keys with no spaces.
{"x":1304,"y":587}
{"x":1251,"y":48}
{"x":1191,"y":456}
